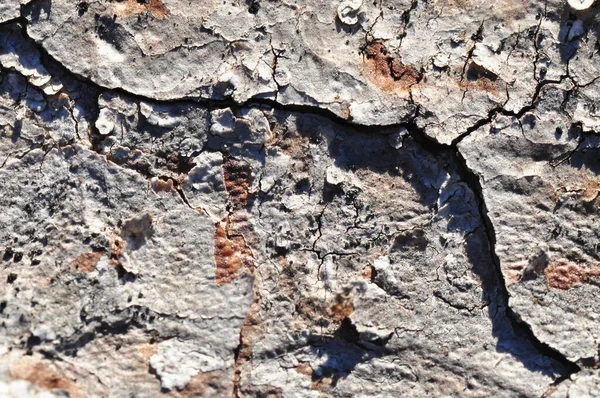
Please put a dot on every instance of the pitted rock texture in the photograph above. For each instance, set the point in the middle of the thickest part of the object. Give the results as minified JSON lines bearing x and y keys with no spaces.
{"x":543,"y":202}
{"x":299,"y":199}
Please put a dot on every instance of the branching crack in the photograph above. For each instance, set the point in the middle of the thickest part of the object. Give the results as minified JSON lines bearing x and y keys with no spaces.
{"x":473,"y":181}
{"x":470,"y":177}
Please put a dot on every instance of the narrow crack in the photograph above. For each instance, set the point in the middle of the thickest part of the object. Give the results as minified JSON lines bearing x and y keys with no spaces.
{"x":500,"y":110}
{"x":534,"y":39}
{"x":476,"y":38}
{"x":473,"y":181}
{"x":209,"y":103}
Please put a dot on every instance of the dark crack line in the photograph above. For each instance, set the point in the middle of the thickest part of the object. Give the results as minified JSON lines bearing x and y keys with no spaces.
{"x":406,"y":20}
{"x":476,"y":38}
{"x":210,"y":103}
{"x":501,"y":111}
{"x":473,"y":181}
{"x":470,"y":177}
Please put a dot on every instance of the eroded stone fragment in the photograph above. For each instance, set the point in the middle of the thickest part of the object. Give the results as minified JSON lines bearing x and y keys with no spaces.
{"x":539,"y":176}
{"x":10,"y":9}
{"x":153,"y":271}
{"x":583,"y":384}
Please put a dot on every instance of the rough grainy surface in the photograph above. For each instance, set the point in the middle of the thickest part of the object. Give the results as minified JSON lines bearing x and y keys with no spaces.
{"x":289,"y":198}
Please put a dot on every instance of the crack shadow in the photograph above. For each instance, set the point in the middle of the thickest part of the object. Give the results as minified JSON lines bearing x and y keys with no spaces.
{"x":574,"y":27}
{"x":421,"y":163}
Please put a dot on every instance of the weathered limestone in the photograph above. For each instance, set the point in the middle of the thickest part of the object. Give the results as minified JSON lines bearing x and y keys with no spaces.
{"x":299,"y":199}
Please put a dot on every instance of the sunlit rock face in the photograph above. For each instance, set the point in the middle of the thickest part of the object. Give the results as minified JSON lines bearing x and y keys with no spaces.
{"x":299,"y":199}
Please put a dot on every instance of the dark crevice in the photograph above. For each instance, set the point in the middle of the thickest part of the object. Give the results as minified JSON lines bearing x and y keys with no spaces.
{"x":131,"y":317}
{"x":476,"y":38}
{"x":209,"y":103}
{"x":468,"y":176}
{"x":236,"y":358}
{"x":406,"y":20}
{"x":473,"y":181}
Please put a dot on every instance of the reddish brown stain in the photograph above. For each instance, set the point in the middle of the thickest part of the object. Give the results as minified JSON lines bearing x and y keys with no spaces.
{"x":232,"y":252}
{"x":137,"y":226}
{"x":304,"y":369}
{"x":147,"y":350}
{"x":249,"y":335}
{"x":343,"y":307}
{"x":44,"y":375}
{"x":237,"y":175}
{"x":200,"y":383}
{"x":386,"y":71}
{"x":86,"y":262}
{"x":564,"y":275}
{"x":479,"y":78}
{"x":311,"y":309}
{"x":322,"y":384}
{"x":233,"y":237}
{"x":131,"y":8}
{"x":581,"y":184}
{"x":117,"y":247}
{"x":159,"y":185}
{"x":232,"y":255}
{"x":368,"y":273}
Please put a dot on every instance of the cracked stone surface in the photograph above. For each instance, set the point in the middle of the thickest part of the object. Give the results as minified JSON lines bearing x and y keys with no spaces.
{"x":582,"y":384}
{"x":299,"y":199}
{"x":543,"y":204}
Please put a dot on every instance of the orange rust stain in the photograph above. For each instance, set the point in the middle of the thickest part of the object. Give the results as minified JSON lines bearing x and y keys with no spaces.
{"x":250,"y":334}
{"x":294,"y":145}
{"x":233,"y":237}
{"x":322,"y":384}
{"x":237,"y":175}
{"x":304,"y":369}
{"x":564,"y":275}
{"x":232,"y":254}
{"x":481,"y":84}
{"x":202,"y":381}
{"x":311,"y":309}
{"x":131,"y":8}
{"x":388,"y":72}
{"x":147,"y":350}
{"x":159,"y":185}
{"x":86,"y":262}
{"x":343,"y":307}
{"x":318,"y":384}
{"x":117,"y":247}
{"x":368,"y":272}
{"x":44,"y":375}
{"x":347,"y":113}
{"x":241,"y":224}
{"x":479,"y":78}
{"x":513,"y":274}
{"x":137,"y":226}
{"x":582,"y":184}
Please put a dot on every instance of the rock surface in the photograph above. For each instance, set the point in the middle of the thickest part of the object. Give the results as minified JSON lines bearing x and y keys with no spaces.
{"x":299,"y":199}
